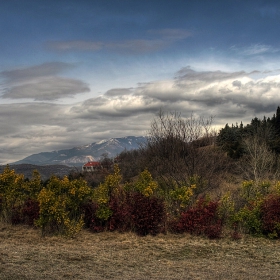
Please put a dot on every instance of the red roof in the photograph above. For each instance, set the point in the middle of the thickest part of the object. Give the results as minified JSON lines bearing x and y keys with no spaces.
{"x":92,"y":163}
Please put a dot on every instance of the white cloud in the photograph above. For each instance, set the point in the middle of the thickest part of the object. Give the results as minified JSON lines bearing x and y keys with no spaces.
{"x":256,"y":49}
{"x":230,"y":96}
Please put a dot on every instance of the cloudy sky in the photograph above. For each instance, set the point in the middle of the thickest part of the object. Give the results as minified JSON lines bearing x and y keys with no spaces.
{"x":75,"y":72}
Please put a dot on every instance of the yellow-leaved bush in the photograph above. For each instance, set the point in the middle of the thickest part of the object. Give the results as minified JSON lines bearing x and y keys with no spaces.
{"x":60,"y":203}
{"x":15,"y":190}
{"x":182,"y":195}
{"x":145,"y":184}
{"x":102,"y":194}
{"x":226,"y":208}
{"x":251,"y":190}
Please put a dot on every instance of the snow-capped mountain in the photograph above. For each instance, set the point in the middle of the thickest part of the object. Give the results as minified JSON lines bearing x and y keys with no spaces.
{"x":91,"y":152}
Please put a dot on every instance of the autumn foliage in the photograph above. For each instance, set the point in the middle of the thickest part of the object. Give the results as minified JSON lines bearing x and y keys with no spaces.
{"x":65,"y":206}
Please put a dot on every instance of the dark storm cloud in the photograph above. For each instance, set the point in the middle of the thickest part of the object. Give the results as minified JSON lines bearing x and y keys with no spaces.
{"x":42,"y":70}
{"x":50,"y":88}
{"x":171,"y":34}
{"x":118,"y":91}
{"x":41,"y":82}
{"x":125,"y":46}
{"x":161,"y":39}
{"x":187,"y":74}
{"x":75,"y":45}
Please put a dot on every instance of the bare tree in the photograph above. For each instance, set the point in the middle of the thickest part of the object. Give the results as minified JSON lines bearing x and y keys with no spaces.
{"x":181,"y":151}
{"x":259,"y":163}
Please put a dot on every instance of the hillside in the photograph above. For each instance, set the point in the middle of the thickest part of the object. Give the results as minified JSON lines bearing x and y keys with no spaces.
{"x":45,"y":171}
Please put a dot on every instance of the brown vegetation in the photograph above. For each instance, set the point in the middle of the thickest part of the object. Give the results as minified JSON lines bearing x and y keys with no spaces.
{"x":24,"y":254}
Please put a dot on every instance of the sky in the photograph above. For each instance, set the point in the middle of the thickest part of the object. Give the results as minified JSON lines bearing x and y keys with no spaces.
{"x":75,"y":72}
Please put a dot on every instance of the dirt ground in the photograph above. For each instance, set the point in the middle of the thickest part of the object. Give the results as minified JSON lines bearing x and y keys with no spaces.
{"x":25,"y":254}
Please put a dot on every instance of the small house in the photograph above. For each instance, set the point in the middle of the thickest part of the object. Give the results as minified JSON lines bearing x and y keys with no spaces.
{"x":91,"y":166}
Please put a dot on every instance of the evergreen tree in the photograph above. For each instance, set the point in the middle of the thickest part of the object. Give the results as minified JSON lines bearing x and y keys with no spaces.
{"x":230,"y":138}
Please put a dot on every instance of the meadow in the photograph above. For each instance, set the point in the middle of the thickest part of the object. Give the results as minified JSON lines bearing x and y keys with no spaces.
{"x":25,"y":254}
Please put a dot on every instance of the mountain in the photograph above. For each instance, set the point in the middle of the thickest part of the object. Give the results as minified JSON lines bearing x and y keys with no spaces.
{"x":79,"y":155}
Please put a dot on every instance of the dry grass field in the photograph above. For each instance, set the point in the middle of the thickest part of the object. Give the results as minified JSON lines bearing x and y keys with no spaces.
{"x":25,"y":254}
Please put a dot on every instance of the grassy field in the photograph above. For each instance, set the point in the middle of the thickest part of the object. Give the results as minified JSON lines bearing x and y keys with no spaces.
{"x":24,"y":254}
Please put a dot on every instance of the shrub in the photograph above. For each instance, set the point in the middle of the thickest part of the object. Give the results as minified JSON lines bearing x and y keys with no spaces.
{"x":26,"y":213}
{"x":16,"y":217}
{"x":145,"y":184}
{"x":15,"y":191}
{"x":251,"y":198}
{"x":201,"y":219}
{"x":132,"y":210}
{"x":131,"y":207}
{"x":60,"y":206}
{"x":270,"y":215}
{"x":226,"y":208}
{"x":121,"y":207}
{"x":102,"y":194}
{"x":235,"y":234}
{"x":91,"y":221}
{"x":179,"y":198}
{"x":252,"y":190}
{"x":249,"y":217}
{"x":148,"y":214}
{"x":30,"y":211}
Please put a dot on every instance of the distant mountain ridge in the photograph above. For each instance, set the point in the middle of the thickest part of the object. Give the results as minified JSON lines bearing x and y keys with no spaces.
{"x":46,"y":171}
{"x":79,"y":155}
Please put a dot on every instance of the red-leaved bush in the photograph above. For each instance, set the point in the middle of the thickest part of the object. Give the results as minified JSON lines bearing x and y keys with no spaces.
{"x":30,"y":211}
{"x":16,"y":217}
{"x":270,"y":215}
{"x":121,"y":207}
{"x":148,"y":214}
{"x":26,"y":213}
{"x":201,"y":219}
{"x":90,"y":219}
{"x":133,"y":211}
{"x":235,"y":234}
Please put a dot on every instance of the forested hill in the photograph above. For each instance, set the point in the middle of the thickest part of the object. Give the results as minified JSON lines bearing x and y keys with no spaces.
{"x":266,"y":130}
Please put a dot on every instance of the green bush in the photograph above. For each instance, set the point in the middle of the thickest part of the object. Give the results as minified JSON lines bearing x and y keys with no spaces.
{"x":249,"y":218}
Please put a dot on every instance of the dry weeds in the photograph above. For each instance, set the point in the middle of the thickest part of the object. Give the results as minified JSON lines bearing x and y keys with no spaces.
{"x":24,"y":254}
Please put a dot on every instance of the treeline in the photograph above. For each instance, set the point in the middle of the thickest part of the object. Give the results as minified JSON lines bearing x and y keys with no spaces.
{"x":231,"y":138}
{"x":255,"y":148}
